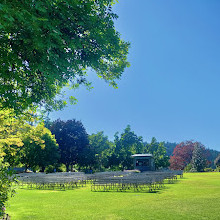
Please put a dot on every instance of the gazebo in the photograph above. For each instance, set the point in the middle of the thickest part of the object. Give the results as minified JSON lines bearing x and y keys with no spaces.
{"x":144,"y":162}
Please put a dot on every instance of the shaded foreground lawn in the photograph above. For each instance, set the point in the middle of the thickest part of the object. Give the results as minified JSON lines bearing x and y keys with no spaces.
{"x":196,"y":196}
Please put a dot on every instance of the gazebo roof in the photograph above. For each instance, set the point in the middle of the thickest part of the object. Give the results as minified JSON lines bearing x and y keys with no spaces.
{"x":142,"y":155}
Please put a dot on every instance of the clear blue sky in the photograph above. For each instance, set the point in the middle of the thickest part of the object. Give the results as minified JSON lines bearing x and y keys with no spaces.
{"x":172,"y":89}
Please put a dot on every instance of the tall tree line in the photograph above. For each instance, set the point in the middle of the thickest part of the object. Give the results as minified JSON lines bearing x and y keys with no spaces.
{"x":67,"y":142}
{"x":96,"y":152}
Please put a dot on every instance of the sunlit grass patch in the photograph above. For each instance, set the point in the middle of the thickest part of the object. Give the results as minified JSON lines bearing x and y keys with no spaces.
{"x":196,"y":196}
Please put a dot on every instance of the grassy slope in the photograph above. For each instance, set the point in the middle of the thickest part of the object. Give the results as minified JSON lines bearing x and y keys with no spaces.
{"x":197,"y":196}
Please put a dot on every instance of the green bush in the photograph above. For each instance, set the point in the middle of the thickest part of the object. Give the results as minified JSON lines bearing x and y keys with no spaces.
{"x":209,"y":169}
{"x":188,"y":168}
{"x":49,"y":169}
{"x":61,"y":168}
{"x":217,"y":169}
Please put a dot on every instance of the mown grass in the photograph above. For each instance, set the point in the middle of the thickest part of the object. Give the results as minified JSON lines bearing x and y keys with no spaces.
{"x":196,"y":196}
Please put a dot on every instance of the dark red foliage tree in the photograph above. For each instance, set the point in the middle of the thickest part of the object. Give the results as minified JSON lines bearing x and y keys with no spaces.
{"x":182,"y":155}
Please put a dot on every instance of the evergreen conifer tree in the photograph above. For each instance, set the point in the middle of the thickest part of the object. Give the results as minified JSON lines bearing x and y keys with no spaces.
{"x":198,"y":159}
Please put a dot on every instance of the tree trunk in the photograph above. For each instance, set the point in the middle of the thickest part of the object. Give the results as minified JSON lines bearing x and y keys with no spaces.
{"x":67,"y":167}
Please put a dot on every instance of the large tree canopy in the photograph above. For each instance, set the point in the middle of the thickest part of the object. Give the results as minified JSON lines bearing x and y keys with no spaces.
{"x":40,"y":148}
{"x":12,"y":129}
{"x":126,"y":144}
{"x":47,"y":44}
{"x":72,"y":139}
{"x":182,"y":155}
{"x":191,"y":154}
{"x":100,"y":150}
{"x":158,"y":150}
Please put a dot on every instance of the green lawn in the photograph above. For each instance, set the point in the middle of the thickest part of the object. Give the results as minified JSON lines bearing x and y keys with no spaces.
{"x":196,"y":196}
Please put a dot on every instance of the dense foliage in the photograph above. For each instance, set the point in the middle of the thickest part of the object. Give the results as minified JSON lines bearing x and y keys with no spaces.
{"x":47,"y":44}
{"x":100,"y":148}
{"x":182,"y":155}
{"x":10,"y":138}
{"x":211,"y":155}
{"x":22,"y":144}
{"x":39,"y":149}
{"x":126,"y":144}
{"x":6,"y":180}
{"x":158,"y":150}
{"x":198,"y":158}
{"x":44,"y":46}
{"x":189,"y":155}
{"x":72,"y":139}
{"x":96,"y":153}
